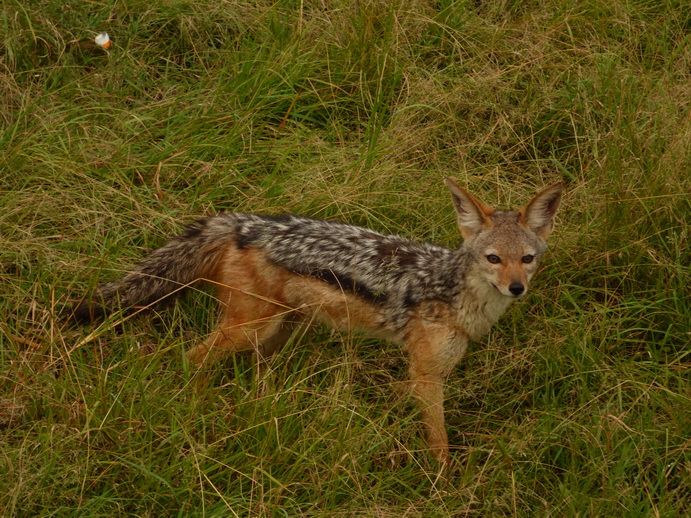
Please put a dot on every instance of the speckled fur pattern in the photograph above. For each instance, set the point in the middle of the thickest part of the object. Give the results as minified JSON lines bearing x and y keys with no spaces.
{"x":272,"y":273}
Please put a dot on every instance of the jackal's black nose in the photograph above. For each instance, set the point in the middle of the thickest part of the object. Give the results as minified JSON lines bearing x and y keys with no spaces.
{"x":516,"y":288}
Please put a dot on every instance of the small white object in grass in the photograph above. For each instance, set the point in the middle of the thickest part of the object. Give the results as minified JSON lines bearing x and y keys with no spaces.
{"x":102,"y":40}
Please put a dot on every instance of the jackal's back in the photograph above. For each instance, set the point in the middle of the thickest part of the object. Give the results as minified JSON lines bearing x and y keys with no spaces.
{"x":387,"y":270}
{"x":390,"y":271}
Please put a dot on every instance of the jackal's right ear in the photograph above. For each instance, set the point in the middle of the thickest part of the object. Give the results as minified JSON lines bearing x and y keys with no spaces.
{"x":472,"y":213}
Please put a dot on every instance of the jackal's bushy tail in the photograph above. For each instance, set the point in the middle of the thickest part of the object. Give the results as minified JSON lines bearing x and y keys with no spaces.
{"x":166,"y":271}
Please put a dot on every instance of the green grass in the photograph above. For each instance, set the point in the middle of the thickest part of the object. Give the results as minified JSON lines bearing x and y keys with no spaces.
{"x":578,"y":402}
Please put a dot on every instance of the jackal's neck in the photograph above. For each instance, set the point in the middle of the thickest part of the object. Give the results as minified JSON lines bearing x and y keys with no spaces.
{"x":479,"y":305}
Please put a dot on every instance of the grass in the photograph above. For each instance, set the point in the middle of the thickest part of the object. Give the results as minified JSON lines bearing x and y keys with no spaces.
{"x":577,"y":404}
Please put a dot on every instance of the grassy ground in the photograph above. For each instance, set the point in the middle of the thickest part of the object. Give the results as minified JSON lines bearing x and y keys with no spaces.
{"x":577,"y":404}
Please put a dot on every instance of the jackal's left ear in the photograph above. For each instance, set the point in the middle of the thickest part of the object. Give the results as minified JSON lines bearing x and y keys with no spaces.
{"x":538,"y":215}
{"x":472,"y":213}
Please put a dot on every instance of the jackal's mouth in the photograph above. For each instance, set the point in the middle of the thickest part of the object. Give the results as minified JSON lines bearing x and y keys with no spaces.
{"x":499,"y":290}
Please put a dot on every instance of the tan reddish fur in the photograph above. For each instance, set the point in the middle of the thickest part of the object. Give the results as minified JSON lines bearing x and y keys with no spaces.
{"x":265,"y":302}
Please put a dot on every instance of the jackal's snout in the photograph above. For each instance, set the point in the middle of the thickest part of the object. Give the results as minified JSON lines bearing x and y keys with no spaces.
{"x":516,"y":288}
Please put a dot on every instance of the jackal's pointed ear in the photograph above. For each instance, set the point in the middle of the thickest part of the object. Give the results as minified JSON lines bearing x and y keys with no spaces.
{"x":538,"y":215}
{"x":472,"y":213}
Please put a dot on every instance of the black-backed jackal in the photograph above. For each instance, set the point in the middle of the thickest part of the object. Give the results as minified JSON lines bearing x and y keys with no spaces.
{"x":274,"y":272}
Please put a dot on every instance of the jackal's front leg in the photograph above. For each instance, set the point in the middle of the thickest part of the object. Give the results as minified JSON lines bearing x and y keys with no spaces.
{"x":434,"y":350}
{"x":429,"y":390}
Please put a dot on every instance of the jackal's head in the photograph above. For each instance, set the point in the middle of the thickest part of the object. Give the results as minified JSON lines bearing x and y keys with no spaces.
{"x":506,"y":245}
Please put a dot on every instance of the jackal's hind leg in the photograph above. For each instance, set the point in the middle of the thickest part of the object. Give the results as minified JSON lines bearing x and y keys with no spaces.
{"x":272,"y":344}
{"x":246,"y":323}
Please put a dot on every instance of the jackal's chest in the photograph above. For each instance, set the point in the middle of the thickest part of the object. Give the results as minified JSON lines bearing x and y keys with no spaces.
{"x":479,"y":308}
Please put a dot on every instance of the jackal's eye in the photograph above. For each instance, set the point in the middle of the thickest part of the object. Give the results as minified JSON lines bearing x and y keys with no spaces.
{"x":494,"y":259}
{"x":527,"y":259}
